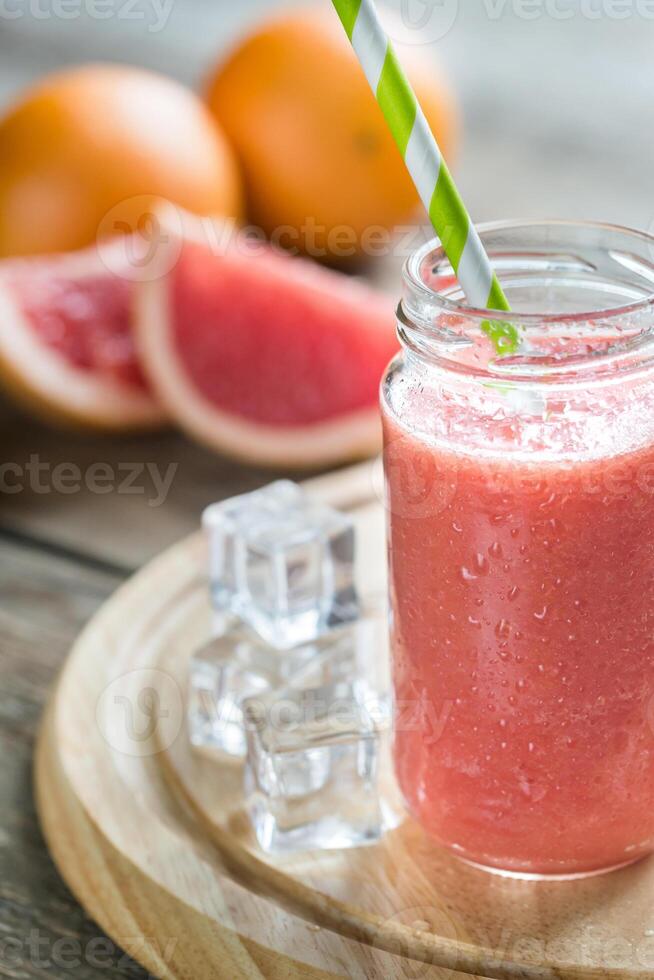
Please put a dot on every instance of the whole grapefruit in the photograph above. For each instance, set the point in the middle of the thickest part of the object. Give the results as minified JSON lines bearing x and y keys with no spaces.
{"x":321,"y":169}
{"x":87,"y":150}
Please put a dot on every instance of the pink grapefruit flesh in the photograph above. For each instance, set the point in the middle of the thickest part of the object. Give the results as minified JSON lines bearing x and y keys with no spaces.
{"x":66,"y":341}
{"x":264,"y":356}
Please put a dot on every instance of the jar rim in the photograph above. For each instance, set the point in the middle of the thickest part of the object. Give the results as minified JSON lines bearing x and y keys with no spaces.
{"x":441,"y":303}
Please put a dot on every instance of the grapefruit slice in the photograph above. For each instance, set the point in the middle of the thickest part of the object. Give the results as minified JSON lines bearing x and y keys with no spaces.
{"x":66,"y":345}
{"x":263,"y":356}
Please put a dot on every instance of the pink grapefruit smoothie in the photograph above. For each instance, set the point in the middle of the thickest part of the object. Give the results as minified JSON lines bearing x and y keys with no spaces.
{"x":522,"y":589}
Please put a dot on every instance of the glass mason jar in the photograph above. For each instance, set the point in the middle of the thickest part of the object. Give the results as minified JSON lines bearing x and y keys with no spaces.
{"x":520,"y":497}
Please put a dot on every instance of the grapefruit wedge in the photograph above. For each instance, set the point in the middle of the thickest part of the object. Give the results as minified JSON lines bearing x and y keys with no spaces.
{"x":263,"y":356}
{"x":66,"y":343}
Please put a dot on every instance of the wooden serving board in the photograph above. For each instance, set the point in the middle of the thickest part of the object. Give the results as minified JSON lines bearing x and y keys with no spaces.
{"x":154,"y":841}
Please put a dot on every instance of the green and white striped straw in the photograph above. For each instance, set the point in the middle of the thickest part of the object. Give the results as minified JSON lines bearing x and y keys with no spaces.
{"x":426,"y":165}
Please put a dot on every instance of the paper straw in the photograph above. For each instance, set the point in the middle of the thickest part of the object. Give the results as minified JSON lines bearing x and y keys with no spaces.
{"x":426,"y":165}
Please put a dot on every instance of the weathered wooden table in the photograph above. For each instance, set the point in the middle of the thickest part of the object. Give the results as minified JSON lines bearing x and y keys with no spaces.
{"x":60,"y":557}
{"x":559,"y":122}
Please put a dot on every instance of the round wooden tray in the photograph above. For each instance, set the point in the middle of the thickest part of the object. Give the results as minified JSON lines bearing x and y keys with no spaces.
{"x":154,"y":841}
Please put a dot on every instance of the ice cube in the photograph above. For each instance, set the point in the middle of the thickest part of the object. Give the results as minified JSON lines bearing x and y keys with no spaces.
{"x":312,"y":772}
{"x":222,"y":673}
{"x":239,"y":665}
{"x":224,"y":521}
{"x":283,"y":564}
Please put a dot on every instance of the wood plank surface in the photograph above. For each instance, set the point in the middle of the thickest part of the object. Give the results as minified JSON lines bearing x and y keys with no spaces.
{"x":156,"y":488}
{"x":44,"y":599}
